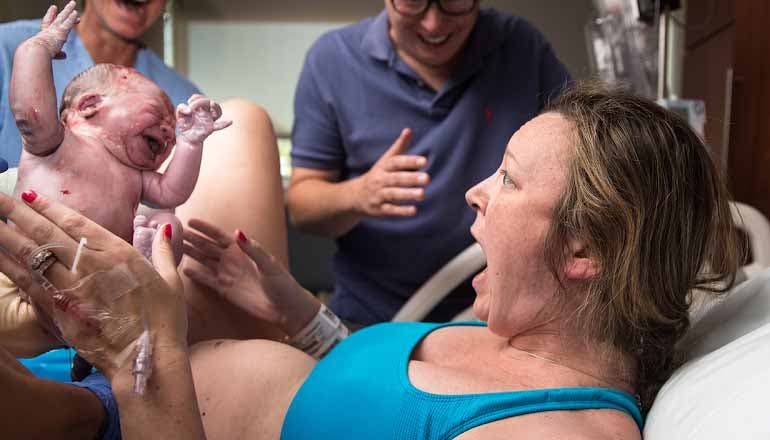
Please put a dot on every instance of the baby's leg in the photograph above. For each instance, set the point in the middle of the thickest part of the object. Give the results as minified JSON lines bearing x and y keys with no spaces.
{"x":146,"y":228}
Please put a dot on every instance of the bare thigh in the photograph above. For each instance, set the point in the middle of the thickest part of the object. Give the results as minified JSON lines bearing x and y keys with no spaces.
{"x":239,"y":187}
{"x":244,"y":388}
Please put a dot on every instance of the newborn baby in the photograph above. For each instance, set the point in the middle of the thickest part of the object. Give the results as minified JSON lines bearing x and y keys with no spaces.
{"x":116,"y":128}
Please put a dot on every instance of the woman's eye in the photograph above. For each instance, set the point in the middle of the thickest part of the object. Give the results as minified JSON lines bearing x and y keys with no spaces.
{"x":507,"y":181}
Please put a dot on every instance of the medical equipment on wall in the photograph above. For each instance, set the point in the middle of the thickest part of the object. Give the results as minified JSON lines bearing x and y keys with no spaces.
{"x":693,"y":110}
{"x":628,"y":45}
{"x":623,"y":42}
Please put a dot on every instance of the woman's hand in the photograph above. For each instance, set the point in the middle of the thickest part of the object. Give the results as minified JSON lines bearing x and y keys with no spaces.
{"x":111,"y":297}
{"x":247,"y":276}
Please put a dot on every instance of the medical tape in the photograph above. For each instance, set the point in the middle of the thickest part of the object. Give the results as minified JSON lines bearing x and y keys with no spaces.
{"x":92,"y":300}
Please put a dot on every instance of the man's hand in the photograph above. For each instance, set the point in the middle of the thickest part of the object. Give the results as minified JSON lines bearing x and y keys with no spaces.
{"x":197,"y":119}
{"x":54,"y":29}
{"x":393,"y":182}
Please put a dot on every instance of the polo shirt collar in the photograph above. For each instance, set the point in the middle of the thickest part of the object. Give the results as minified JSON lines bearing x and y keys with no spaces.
{"x":376,"y":42}
{"x":487,"y":37}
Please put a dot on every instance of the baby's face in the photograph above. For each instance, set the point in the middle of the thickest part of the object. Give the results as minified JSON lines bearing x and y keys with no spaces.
{"x":138,"y":124}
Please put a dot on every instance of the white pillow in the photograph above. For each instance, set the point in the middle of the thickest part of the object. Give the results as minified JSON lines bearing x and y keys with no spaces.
{"x":721,"y":391}
{"x":717,"y":322}
{"x":721,"y":395}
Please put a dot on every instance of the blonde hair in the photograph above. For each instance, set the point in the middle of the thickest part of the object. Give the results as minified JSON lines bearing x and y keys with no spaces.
{"x":645,"y":198}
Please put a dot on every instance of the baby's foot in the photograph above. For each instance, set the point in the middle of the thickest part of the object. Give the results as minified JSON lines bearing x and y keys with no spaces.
{"x":144,"y":233}
{"x":146,"y":228}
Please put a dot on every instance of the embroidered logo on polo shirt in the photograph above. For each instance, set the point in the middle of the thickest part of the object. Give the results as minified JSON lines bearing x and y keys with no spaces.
{"x":488,"y":114}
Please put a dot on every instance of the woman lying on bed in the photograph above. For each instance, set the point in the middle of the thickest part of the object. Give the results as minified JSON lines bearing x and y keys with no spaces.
{"x":605,"y":213}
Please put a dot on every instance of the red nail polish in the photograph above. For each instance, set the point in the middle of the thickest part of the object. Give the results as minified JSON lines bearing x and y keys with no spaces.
{"x":241,"y":236}
{"x":167,"y":230}
{"x":29,"y":196}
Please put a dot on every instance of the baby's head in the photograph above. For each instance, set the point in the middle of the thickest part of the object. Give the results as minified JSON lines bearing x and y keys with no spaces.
{"x":121,"y":107}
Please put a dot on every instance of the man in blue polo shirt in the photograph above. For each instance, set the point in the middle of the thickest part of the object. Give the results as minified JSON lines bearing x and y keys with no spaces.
{"x":395,"y":118}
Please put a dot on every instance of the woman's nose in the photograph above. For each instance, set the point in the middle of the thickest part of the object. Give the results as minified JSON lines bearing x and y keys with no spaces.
{"x":476,"y":198}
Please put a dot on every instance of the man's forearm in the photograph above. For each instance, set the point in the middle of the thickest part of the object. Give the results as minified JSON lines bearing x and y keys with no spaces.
{"x":324,"y":208}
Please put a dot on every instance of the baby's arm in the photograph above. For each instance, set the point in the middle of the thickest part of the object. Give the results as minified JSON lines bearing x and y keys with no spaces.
{"x":32,"y":94}
{"x":196,"y":120}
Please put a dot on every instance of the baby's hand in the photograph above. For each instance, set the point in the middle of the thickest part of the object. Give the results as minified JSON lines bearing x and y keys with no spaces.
{"x":197,"y":119}
{"x":54,"y":29}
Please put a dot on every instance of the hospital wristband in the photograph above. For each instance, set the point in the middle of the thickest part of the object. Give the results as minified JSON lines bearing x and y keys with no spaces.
{"x":321,"y":334}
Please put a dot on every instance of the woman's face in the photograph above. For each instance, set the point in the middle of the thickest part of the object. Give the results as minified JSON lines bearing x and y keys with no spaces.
{"x":514,"y":208}
{"x":126,"y":19}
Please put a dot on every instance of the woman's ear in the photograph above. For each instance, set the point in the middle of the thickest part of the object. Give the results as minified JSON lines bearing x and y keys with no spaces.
{"x":88,"y":104}
{"x":580,"y":264}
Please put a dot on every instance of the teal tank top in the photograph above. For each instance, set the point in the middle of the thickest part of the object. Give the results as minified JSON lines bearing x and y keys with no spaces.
{"x":361,"y":389}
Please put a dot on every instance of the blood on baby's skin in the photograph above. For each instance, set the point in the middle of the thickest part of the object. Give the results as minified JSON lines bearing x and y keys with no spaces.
{"x":65,"y":191}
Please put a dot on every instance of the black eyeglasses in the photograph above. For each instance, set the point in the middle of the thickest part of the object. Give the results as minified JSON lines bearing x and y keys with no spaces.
{"x":414,"y":8}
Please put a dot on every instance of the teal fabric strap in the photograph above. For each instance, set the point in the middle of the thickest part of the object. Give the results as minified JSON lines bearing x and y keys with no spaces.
{"x":361,"y":389}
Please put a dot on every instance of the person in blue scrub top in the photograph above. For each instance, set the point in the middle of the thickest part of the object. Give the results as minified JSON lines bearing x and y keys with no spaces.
{"x":395,"y":118}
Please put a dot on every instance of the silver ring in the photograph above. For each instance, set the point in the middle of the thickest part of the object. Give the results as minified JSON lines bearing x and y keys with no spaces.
{"x":40,"y":261}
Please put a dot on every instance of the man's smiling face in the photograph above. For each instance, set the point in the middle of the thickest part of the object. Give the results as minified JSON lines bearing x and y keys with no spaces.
{"x":432,"y":40}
